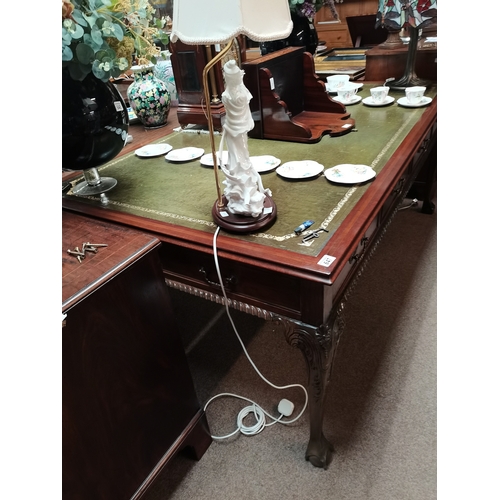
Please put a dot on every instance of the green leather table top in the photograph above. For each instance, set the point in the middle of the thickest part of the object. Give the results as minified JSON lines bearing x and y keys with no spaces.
{"x":184,"y":193}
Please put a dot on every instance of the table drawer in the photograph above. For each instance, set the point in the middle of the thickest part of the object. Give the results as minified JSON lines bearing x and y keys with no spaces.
{"x":277,"y":292}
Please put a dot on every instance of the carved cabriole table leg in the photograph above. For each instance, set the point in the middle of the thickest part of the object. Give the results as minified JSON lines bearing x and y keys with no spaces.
{"x":318,"y":345}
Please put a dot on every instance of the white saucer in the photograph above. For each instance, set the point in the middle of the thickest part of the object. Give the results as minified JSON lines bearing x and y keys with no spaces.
{"x":354,"y":100}
{"x":370,"y":102}
{"x":403,"y":101}
{"x":151,"y":150}
{"x":265,"y":163}
{"x":184,"y":154}
{"x":208,"y":161}
{"x":333,"y":90}
{"x":300,"y":169}
{"x":350,"y":174}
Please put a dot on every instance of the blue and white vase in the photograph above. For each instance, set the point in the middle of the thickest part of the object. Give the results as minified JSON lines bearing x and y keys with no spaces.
{"x":149,"y":97}
{"x":164,"y":71}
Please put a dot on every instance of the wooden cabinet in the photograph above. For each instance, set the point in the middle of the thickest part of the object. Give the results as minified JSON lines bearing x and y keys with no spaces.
{"x":188,"y":62}
{"x":382,"y":63}
{"x":128,"y":400}
{"x":336,"y":33}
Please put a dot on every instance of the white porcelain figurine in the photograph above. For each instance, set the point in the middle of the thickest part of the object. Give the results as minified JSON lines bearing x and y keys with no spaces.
{"x":244,"y":191}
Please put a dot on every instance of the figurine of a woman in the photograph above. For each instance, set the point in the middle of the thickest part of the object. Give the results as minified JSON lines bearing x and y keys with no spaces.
{"x":244,"y":191}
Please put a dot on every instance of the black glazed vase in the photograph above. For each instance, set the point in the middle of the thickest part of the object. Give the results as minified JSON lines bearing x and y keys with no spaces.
{"x":303,"y":34}
{"x":94,"y":122}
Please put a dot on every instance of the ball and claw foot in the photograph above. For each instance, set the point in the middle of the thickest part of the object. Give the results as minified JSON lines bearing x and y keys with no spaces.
{"x":320,"y":453}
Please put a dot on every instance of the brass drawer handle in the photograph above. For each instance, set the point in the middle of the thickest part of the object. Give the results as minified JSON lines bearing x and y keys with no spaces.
{"x":357,"y":255}
{"x":425,"y":144}
{"x":399,"y":186}
{"x":228,"y":282}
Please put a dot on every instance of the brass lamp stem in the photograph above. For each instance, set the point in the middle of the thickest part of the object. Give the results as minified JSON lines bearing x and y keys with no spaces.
{"x":206,"y":90}
{"x":213,"y":87}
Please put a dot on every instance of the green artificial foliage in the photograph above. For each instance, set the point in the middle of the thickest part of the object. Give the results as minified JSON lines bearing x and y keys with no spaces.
{"x":106,"y":36}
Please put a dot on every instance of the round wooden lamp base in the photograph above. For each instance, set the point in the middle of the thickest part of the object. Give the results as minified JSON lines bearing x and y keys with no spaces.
{"x":244,"y":224}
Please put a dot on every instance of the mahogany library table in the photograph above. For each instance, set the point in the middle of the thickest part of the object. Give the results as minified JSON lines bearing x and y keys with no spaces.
{"x":272,"y":274}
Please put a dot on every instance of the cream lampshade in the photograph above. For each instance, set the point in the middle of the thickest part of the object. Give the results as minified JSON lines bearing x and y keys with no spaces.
{"x":202,"y":22}
{"x":245,"y":206}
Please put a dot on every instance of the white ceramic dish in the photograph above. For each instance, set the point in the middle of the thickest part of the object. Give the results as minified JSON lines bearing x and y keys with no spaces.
{"x":184,"y":154}
{"x":370,"y":102}
{"x":403,"y":101}
{"x":152,"y":150}
{"x":348,"y":173}
{"x":333,"y":90}
{"x":208,"y":161}
{"x":300,"y":169}
{"x":354,"y":100}
{"x":265,"y":163}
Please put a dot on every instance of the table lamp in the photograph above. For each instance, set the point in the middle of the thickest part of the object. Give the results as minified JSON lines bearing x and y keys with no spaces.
{"x":245,"y":205}
{"x":414,"y":14}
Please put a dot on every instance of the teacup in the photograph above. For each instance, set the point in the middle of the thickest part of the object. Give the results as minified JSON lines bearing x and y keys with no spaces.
{"x":414,"y":95}
{"x":335,"y":82}
{"x":348,"y":92}
{"x":379,"y":94}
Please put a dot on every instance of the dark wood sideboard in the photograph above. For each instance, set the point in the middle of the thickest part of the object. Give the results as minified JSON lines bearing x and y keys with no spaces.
{"x":128,"y":399}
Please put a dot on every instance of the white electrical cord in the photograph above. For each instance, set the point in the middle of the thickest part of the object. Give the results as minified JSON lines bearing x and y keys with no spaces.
{"x":257,"y":411}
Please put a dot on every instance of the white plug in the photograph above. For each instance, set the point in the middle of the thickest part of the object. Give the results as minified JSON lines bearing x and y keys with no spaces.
{"x":285,"y":407}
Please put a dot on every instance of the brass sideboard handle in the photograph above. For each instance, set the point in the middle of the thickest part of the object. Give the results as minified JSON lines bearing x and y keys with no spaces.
{"x":228,"y":282}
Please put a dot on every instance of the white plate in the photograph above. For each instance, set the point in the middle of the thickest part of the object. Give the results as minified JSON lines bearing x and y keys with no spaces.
{"x":184,"y":154}
{"x":370,"y":102}
{"x":333,"y":90}
{"x":403,"y":101}
{"x":300,"y":169}
{"x":348,"y":173}
{"x":151,"y":150}
{"x":208,"y":161}
{"x":264,"y":163}
{"x":354,"y":100}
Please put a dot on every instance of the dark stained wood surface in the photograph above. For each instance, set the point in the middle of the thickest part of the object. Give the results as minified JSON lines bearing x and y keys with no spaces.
{"x":128,"y":399}
{"x":124,"y":245}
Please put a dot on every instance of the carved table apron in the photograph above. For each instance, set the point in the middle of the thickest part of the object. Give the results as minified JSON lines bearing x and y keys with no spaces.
{"x":272,"y":274}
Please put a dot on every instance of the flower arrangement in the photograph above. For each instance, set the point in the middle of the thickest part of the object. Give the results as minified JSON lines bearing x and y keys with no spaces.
{"x":104,"y":36}
{"x":308,"y":8}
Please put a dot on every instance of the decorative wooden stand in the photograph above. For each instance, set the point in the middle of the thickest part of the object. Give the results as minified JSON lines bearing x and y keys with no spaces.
{"x":290,"y":102}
